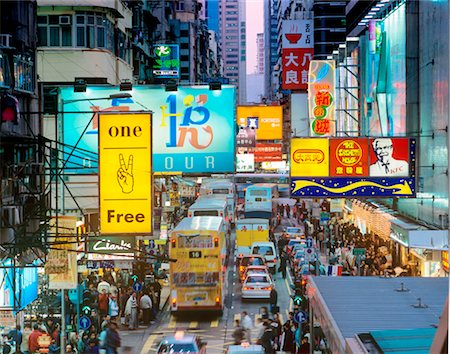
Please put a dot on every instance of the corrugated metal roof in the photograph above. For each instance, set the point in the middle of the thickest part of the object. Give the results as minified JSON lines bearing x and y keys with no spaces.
{"x":365,"y":304}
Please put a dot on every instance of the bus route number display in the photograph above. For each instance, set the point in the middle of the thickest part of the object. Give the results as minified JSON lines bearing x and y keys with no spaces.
{"x":195,"y":254}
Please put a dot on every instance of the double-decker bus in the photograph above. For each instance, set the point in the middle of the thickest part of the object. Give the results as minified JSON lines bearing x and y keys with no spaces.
{"x":225,"y":188}
{"x":261,"y":201}
{"x":198,"y":277}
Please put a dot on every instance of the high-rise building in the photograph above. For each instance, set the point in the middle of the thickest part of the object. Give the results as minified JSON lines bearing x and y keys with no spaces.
{"x":23,"y":207}
{"x":260,"y":53}
{"x":271,"y":42}
{"x":232,"y":38}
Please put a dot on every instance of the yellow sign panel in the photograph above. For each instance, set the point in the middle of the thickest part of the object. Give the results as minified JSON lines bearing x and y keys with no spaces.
{"x":309,"y":157}
{"x":267,"y":120}
{"x":125,"y":173}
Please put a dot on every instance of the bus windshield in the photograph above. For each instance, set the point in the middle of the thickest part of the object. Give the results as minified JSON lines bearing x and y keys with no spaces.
{"x":206,"y":213}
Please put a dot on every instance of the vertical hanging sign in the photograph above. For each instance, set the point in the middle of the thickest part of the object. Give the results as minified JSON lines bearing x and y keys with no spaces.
{"x":321,"y":96}
{"x":125,"y":173}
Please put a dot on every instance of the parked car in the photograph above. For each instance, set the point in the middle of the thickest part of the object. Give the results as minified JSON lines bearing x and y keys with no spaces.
{"x":292,"y":243}
{"x":257,"y":286}
{"x":295,"y":232}
{"x":252,"y":260}
{"x":182,"y":343}
{"x":268,"y":251}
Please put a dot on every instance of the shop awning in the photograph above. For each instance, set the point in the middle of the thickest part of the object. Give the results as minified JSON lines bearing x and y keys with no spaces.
{"x":417,"y":236}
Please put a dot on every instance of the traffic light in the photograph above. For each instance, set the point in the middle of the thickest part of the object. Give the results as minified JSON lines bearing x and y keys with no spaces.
{"x":86,"y":303}
{"x":9,"y":106}
{"x":297,"y":300}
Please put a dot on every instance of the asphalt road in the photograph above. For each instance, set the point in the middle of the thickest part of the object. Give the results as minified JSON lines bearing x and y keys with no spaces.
{"x":215,"y":330}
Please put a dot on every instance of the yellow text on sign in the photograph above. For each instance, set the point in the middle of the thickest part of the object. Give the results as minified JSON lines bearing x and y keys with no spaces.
{"x":270,"y":120}
{"x":125,"y":173}
{"x":309,"y":158}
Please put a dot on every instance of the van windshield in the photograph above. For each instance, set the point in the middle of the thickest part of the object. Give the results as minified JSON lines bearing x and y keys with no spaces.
{"x":263,"y":250}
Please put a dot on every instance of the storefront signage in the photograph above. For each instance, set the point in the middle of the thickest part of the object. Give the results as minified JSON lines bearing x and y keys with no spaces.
{"x":125,"y":174}
{"x":167,"y":61}
{"x":267,"y":152}
{"x":193,"y":128}
{"x":111,"y":244}
{"x":19,"y":295}
{"x":321,"y":97}
{"x":245,"y":163}
{"x":246,"y":137}
{"x":297,"y":52}
{"x":336,"y":167}
{"x":266,"y":120}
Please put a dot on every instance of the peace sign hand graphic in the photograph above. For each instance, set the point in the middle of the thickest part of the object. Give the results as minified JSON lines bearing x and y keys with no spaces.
{"x":125,"y":174}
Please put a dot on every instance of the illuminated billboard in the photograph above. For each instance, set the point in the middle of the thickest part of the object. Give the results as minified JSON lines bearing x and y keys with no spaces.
{"x":321,"y":97}
{"x":167,"y":61}
{"x":353,"y":167}
{"x":193,"y":128}
{"x":125,"y":173}
{"x":267,"y":120}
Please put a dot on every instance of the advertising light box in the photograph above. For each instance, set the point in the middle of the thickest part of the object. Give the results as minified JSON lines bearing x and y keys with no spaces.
{"x":267,"y":120}
{"x":193,"y":128}
{"x":125,"y":177}
{"x":353,"y":167}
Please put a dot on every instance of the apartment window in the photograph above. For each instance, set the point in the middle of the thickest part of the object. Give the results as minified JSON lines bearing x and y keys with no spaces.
{"x":231,"y":37}
{"x":55,"y":30}
{"x":232,"y":43}
{"x":184,"y":33}
{"x":231,"y":31}
{"x":230,"y":24}
{"x":231,"y":62}
{"x":179,"y":6}
{"x":24,"y":73}
{"x":231,"y":18}
{"x":232,"y":55}
{"x":231,"y":50}
{"x":232,"y":68}
{"x":231,"y":12}
{"x":184,"y":46}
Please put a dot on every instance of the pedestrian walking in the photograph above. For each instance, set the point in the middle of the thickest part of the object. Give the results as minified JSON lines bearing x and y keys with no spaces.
{"x":113,"y":307}
{"x":278,"y":330}
{"x":283,"y":264}
{"x":288,"y":344}
{"x":33,"y":345}
{"x":146,"y":306}
{"x":25,"y":335}
{"x":112,"y":340}
{"x":238,"y":333}
{"x":103,"y":303}
{"x":247,"y":325}
{"x":266,"y":339}
{"x":132,"y":310}
{"x":273,"y":301}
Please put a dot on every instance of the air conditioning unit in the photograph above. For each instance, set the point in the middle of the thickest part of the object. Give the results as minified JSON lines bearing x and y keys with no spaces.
{"x":65,"y":20}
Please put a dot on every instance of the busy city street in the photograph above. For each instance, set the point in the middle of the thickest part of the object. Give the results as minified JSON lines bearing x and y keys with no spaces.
{"x":224,"y":176}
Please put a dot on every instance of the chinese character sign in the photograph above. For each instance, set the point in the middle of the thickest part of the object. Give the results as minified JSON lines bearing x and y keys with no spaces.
{"x":266,"y":120}
{"x":297,"y":34}
{"x":295,"y":63}
{"x":321,"y":96}
{"x":246,"y":137}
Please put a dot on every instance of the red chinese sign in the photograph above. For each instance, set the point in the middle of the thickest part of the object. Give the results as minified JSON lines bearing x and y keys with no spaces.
{"x":349,"y":157}
{"x":267,"y":152}
{"x":295,"y":63}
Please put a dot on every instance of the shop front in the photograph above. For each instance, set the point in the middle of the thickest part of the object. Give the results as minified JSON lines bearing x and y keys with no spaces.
{"x":422,"y":250}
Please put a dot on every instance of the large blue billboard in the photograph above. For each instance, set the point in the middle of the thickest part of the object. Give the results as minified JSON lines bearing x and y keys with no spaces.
{"x":193,"y":128}
{"x":25,"y":290}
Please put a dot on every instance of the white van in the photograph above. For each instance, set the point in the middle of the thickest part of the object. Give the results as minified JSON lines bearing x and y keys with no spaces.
{"x":268,"y":251}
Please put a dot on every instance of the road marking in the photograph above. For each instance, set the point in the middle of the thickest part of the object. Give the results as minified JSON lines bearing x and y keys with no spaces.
{"x":214,"y":323}
{"x":172,"y":322}
{"x":148,"y":344}
{"x":193,"y":324}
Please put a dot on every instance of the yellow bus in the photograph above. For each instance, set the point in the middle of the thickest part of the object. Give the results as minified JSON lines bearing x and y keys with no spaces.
{"x":198,"y":277}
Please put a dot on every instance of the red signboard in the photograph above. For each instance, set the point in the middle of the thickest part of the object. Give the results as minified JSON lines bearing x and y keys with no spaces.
{"x":295,"y":63}
{"x":444,"y":260}
{"x":267,"y":152}
{"x":349,"y":157}
{"x":389,"y":157}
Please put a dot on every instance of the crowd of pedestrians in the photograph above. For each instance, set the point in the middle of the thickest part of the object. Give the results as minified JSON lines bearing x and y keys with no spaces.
{"x":271,"y":334}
